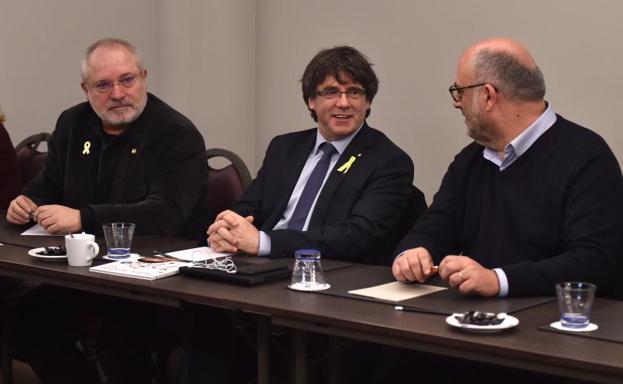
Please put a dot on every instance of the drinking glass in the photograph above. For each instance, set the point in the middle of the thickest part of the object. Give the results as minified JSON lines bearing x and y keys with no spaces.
{"x":307,"y":273}
{"x":118,"y":239}
{"x":575,"y":300}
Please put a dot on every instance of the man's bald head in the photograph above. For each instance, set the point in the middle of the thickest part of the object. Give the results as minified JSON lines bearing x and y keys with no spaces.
{"x":508,"y":66}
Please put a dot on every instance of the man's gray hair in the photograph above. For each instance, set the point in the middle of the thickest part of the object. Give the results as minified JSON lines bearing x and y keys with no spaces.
{"x":110,"y":41}
{"x":510,"y":76}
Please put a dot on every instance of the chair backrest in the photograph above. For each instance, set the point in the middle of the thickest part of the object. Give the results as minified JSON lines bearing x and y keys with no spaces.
{"x":225,"y":185}
{"x":29,"y":158}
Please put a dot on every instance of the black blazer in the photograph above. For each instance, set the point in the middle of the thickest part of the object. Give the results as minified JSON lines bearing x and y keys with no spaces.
{"x":356,"y":212}
{"x":160,"y":171}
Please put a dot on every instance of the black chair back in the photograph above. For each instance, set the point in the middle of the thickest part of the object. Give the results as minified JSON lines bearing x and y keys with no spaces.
{"x":29,"y":159}
{"x":225,"y":185}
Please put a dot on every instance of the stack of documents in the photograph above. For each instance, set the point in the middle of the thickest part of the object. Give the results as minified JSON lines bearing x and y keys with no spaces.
{"x":139,"y":269}
{"x":132,"y":267}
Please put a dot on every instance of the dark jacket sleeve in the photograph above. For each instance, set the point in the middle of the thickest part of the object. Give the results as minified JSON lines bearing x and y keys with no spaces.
{"x":251,"y":201}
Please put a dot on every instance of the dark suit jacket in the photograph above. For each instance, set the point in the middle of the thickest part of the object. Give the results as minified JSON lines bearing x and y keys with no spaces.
{"x":356,"y":212}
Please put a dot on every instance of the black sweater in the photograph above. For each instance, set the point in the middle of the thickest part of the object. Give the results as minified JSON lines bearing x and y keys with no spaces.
{"x":556,"y":214}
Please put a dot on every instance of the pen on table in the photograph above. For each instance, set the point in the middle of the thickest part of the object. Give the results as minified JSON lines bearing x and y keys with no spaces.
{"x":418,"y":310}
{"x":15,"y":244}
{"x":158,"y":253}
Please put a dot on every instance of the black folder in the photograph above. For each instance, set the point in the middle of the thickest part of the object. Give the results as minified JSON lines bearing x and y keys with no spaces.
{"x":254,"y":270}
{"x":446,"y":302}
{"x":248,"y":272}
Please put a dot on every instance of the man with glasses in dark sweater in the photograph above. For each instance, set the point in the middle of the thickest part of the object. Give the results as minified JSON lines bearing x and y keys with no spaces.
{"x":534,"y":200}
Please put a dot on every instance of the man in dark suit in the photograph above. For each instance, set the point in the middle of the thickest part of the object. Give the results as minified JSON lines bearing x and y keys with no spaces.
{"x":355,"y":206}
{"x":533,"y":201}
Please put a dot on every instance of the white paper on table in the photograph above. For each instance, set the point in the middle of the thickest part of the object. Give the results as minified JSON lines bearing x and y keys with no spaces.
{"x":396,"y":291}
{"x":133,"y":267}
{"x":198,"y":254}
{"x":37,"y":230}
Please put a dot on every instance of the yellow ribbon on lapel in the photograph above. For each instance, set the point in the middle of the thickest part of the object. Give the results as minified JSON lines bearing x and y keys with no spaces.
{"x":87,"y":148}
{"x":346,"y":166}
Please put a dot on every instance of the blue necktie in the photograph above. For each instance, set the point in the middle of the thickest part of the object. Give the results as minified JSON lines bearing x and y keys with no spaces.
{"x":297,"y":221}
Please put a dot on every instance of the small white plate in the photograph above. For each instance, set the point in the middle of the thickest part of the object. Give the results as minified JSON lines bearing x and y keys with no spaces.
{"x":508,"y":322}
{"x":34,"y":253}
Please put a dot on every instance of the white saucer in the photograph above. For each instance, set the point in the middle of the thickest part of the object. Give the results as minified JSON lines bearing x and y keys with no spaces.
{"x":588,"y":328}
{"x":508,"y":322}
{"x":33,"y":252}
{"x":304,"y":288}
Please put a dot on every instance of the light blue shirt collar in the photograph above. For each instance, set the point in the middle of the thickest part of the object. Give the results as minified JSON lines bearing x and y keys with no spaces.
{"x":340,"y":145}
{"x":520,"y":144}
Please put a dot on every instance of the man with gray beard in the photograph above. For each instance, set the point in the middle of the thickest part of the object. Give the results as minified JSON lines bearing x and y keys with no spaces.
{"x":124,"y":155}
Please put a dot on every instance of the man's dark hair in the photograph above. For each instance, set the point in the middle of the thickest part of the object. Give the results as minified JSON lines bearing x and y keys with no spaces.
{"x":509,"y":75}
{"x":339,"y":62}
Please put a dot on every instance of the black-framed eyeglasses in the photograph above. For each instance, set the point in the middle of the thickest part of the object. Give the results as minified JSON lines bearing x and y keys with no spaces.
{"x":105,"y":86}
{"x":332,"y":93}
{"x":457,"y":92}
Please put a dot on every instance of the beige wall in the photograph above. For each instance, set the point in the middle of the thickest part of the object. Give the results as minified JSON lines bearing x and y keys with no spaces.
{"x":41,"y":43}
{"x":233,"y":66}
{"x":200,"y":57}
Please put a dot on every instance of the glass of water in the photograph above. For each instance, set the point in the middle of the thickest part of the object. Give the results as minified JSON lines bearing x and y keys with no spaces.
{"x":575,"y":300}
{"x":119,"y":239}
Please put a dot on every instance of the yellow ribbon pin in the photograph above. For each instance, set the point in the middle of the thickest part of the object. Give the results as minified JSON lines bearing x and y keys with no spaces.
{"x":87,"y":148}
{"x":346,"y":166}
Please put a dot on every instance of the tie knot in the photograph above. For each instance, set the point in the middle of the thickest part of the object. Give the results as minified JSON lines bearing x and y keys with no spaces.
{"x":327,"y":148}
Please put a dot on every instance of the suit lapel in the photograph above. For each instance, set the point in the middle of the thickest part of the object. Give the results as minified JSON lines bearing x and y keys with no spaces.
{"x":339,"y":174}
{"x":296,"y":156}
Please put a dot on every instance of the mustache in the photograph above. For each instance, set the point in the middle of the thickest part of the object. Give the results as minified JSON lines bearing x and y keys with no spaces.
{"x":116,"y":104}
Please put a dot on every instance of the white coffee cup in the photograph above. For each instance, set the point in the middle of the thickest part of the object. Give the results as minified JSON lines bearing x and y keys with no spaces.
{"x":81,"y":249}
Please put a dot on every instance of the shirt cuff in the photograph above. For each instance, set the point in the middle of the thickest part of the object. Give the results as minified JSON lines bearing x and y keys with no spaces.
{"x":265,"y":245}
{"x":503,"y":282}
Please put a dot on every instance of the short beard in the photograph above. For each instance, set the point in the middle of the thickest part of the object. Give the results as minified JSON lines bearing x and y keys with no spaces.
{"x":111,"y":119}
